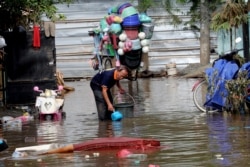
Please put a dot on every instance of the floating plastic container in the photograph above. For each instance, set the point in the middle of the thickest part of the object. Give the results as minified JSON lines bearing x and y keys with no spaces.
{"x":131,"y":21}
{"x":3,"y":145}
{"x":5,"y":119}
{"x":18,"y":154}
{"x":129,"y":11}
{"x":140,"y":157}
{"x":131,"y":32}
{"x":148,"y":29}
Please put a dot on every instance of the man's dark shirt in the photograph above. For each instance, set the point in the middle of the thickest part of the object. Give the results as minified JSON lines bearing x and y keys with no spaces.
{"x":105,"y":78}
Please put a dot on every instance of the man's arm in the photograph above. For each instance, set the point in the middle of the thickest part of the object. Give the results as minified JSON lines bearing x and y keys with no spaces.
{"x":121,"y":90}
{"x":106,"y":98}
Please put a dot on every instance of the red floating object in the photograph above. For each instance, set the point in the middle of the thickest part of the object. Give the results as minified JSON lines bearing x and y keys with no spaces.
{"x":117,"y":143}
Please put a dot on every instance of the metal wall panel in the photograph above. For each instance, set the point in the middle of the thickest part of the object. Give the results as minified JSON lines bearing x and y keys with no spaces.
{"x":169,"y":43}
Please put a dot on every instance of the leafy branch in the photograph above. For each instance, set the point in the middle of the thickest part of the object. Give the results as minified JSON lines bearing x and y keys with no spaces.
{"x":231,"y":14}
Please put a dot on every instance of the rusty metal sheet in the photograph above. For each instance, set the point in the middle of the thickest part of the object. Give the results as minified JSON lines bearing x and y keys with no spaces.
{"x":169,"y":43}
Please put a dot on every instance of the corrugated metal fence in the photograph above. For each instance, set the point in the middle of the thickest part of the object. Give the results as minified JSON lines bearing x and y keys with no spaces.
{"x":74,"y":46}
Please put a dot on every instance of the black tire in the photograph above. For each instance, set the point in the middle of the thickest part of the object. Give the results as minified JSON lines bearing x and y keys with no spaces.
{"x":107,"y":63}
{"x":199,"y":97}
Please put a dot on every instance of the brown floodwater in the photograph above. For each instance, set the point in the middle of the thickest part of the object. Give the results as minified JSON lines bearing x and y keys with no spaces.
{"x":163,"y":110}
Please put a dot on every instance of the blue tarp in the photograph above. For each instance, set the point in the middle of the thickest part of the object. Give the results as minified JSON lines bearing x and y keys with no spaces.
{"x":217,"y":76}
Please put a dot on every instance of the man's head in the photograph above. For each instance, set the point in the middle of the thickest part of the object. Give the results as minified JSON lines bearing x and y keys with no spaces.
{"x":122,"y":72}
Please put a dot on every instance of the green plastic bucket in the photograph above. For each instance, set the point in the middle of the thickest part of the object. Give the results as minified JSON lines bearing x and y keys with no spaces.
{"x":129,"y":11}
{"x":103,"y":24}
{"x":110,"y":50}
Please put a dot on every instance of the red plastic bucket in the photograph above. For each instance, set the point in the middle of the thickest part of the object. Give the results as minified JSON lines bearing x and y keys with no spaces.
{"x":131,"y":32}
{"x":114,"y":40}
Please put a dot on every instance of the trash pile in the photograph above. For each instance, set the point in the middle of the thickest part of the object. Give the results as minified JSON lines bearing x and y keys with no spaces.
{"x":124,"y":33}
{"x":15,"y":123}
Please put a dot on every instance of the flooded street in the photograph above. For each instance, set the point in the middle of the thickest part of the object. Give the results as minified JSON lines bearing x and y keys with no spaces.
{"x":164,"y":110}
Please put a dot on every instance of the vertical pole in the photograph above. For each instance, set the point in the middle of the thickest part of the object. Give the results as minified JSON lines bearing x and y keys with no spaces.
{"x":145,"y":61}
{"x":246,"y":41}
{"x":204,"y":34}
{"x":245,"y":29}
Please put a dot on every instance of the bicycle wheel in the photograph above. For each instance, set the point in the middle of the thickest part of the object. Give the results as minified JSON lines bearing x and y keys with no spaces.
{"x":199,"y":96}
{"x":107,"y":62}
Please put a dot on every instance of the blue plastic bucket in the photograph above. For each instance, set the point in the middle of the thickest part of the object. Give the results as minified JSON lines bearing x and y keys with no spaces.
{"x":132,"y":20}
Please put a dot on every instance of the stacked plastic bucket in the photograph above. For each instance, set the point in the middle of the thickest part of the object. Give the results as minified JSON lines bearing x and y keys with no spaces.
{"x":131,"y":21}
{"x":130,"y":35}
{"x":137,"y":26}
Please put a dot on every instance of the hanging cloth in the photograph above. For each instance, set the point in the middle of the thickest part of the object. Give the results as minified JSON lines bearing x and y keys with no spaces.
{"x":36,"y":36}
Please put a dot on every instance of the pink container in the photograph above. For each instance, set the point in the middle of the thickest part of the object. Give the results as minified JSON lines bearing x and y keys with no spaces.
{"x":131,"y":32}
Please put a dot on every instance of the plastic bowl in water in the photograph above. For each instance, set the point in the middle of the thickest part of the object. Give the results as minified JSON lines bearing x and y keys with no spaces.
{"x":116,"y":116}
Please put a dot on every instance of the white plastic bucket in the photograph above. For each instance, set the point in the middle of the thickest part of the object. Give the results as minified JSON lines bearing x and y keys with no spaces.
{"x":148,"y":29}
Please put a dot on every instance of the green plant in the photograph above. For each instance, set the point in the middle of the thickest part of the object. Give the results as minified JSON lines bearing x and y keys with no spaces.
{"x":237,"y":90}
{"x":232,"y":14}
{"x":143,"y":5}
{"x":22,"y":12}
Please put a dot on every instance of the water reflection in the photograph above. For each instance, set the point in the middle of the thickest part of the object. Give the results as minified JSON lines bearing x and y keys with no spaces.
{"x":164,"y":110}
{"x":228,"y":139}
{"x":50,"y":132}
{"x":109,"y":129}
